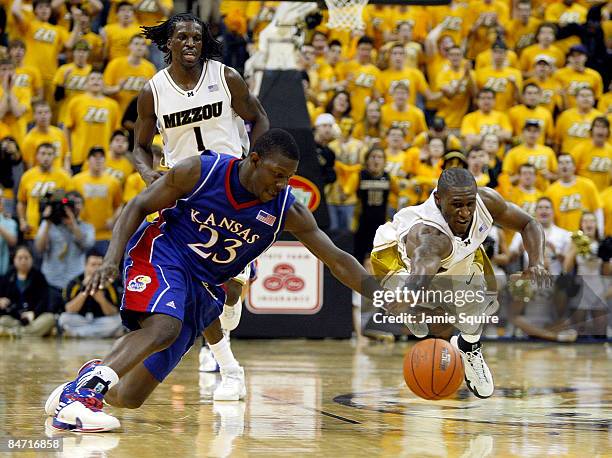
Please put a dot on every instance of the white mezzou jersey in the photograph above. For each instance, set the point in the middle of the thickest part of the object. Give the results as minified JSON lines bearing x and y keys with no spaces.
{"x":463,"y":250}
{"x":193,"y":121}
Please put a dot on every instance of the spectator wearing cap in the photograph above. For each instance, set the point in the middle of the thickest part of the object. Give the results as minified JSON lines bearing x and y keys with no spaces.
{"x":26,"y":75}
{"x":44,"y":132}
{"x":529,"y":110}
{"x":323,"y":135}
{"x":90,"y":120}
{"x":70,"y":79}
{"x":551,"y":88}
{"x":485,"y":58}
{"x":102,"y":197}
{"x":530,"y":152}
{"x":125,"y":76}
{"x":506,"y":82}
{"x":117,"y":164}
{"x":91,"y":316}
{"x":454,"y":159}
{"x":575,"y":76}
{"x":545,"y":37}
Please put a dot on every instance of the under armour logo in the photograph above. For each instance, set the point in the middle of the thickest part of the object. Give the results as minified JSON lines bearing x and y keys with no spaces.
{"x":466,"y":242}
{"x":190,"y":94}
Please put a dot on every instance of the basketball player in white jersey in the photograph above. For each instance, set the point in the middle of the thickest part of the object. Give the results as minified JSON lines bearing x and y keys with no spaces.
{"x":437,"y":246}
{"x":198,"y":104}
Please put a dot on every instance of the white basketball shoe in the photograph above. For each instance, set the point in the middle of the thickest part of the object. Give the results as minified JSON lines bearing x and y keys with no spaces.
{"x":232,"y":387}
{"x":54,"y":397}
{"x":207,"y":360}
{"x":478,"y":377}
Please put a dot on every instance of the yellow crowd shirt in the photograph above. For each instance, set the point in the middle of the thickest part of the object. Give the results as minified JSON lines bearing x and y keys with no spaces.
{"x":35,"y":137}
{"x":74,"y":80}
{"x":119,"y":168}
{"x":563,"y":15}
{"x":594,"y":163}
{"x":571,"y":201}
{"x":551,"y":92}
{"x":541,"y":157}
{"x":453,"y":20}
{"x":412,"y":120}
{"x":520,"y":35}
{"x":91,"y":120}
{"x":479,"y":123}
{"x":606,"y":197}
{"x":453,"y":109}
{"x":485,"y":59}
{"x":525,"y":199}
{"x":134,"y":184}
{"x":35,"y":184}
{"x":131,"y":78}
{"x":102,"y":196}
{"x":361,"y":85}
{"x":44,"y":42}
{"x":532,"y":53}
{"x":148,"y":12}
{"x":573,"y":128}
{"x":18,"y":126}
{"x":118,"y":39}
{"x":349,"y":157}
{"x":572,"y":81}
{"x":505,"y":82}
{"x":520,"y":114}
{"x":411,"y":77}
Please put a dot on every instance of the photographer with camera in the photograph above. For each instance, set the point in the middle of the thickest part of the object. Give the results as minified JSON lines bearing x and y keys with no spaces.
{"x":62,"y":240}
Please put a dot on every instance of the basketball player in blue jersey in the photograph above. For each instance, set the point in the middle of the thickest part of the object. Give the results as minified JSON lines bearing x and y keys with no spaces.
{"x":197,"y":103}
{"x":218,"y":213}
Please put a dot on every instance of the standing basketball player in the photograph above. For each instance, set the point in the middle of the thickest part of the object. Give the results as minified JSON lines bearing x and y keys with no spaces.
{"x":198,"y":104}
{"x":218,"y":213}
{"x":437,"y":246}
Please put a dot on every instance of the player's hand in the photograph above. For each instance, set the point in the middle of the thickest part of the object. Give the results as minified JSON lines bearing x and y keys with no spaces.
{"x":104,"y":275}
{"x":151,"y":176}
{"x":539,"y":275}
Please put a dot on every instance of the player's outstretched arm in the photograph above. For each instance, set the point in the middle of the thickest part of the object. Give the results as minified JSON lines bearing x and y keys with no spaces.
{"x":175,"y":184}
{"x":246,"y":105}
{"x":343,"y":266}
{"x":144,"y":131}
{"x":510,"y":216}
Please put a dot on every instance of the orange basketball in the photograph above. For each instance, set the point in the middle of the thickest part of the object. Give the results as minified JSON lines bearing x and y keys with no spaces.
{"x":433,"y":369}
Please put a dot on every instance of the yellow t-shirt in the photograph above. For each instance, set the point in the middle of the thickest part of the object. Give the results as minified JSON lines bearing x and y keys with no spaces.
{"x":605,"y":103}
{"x":453,"y":109}
{"x":131,"y":77}
{"x":120,"y":168}
{"x":18,"y":125}
{"x":35,"y":184}
{"x":594,"y":163}
{"x":96,"y":54}
{"x":551,"y":93}
{"x":73,"y":85}
{"x":530,"y":55}
{"x":415,"y":15}
{"x":35,"y":137}
{"x":485,"y":59}
{"x":28,"y":77}
{"x":519,"y":36}
{"x":148,"y":13}
{"x":118,"y":39}
{"x":134,"y":184}
{"x":520,"y":114}
{"x":573,"y":128}
{"x":412,"y":120}
{"x":572,"y":81}
{"x":411,"y":77}
{"x":606,"y":197}
{"x":503,"y":82}
{"x":570,"y":201}
{"x":44,"y":42}
{"x":482,"y":124}
{"x":395,"y":166}
{"x":360,"y":132}
{"x":101,"y":197}
{"x":361,"y":84}
{"x":562,"y":15}
{"x":527,"y":200}
{"x":91,"y":120}
{"x":541,"y":157}
{"x":349,"y":157}
{"x":485,"y":35}
{"x":453,"y":18}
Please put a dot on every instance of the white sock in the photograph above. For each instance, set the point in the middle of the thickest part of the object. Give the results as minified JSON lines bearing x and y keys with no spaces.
{"x":223,"y":354}
{"x":470,"y":338}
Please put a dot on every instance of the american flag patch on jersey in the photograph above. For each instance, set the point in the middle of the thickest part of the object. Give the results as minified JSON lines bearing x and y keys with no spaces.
{"x":482,"y":228}
{"x":213,"y":87}
{"x":266,"y":218}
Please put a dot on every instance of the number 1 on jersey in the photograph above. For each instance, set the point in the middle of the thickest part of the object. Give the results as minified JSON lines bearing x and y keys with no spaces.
{"x":199,"y":140}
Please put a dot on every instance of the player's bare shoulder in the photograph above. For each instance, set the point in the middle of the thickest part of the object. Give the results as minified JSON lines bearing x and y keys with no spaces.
{"x":299,"y":219}
{"x":493,"y":200}
{"x":185,"y":174}
{"x":146,"y":102}
{"x":427,"y":240}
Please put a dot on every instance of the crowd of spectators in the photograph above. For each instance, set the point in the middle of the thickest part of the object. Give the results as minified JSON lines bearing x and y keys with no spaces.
{"x":516,"y":91}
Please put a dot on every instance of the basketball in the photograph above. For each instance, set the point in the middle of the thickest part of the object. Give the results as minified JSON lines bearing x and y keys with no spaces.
{"x":433,"y":369}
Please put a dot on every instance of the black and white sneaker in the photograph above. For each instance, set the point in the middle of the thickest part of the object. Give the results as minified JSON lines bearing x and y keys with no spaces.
{"x":478,"y":377}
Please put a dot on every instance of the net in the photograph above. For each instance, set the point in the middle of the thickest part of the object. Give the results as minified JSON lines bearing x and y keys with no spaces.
{"x":346,"y":14}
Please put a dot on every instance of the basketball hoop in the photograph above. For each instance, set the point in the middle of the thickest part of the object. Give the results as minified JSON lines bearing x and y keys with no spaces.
{"x":346,"y":14}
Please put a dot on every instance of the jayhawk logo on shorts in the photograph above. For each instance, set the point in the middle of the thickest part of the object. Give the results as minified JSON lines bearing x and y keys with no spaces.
{"x":139,"y":283}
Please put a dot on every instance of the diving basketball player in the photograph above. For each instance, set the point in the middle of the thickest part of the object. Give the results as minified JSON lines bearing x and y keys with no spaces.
{"x":438,"y":246}
{"x":218,"y":213}
{"x":198,"y":104}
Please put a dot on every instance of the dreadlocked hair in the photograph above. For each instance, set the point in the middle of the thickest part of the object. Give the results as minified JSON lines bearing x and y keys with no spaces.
{"x":161,"y":33}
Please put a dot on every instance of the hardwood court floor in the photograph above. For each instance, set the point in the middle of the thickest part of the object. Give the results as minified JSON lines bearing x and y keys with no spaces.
{"x":330,"y":398}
